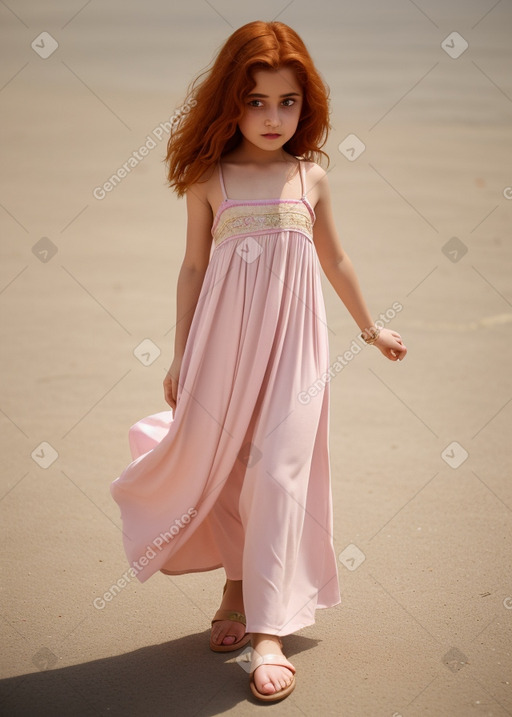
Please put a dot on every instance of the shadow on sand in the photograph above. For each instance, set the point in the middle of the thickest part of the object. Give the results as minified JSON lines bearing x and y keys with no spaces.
{"x":180,"y":677}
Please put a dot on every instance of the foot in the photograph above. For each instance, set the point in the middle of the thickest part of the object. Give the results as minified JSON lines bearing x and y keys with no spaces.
{"x":270,"y":679}
{"x":227,"y":632}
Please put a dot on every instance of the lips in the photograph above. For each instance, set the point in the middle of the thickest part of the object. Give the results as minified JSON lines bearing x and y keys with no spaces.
{"x":270,"y":135}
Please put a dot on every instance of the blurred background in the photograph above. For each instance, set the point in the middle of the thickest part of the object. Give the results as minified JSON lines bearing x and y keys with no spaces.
{"x":420,"y":172}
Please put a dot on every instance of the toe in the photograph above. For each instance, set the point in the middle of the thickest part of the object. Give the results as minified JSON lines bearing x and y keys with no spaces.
{"x":268,"y":682}
{"x":268,"y":688}
{"x":229,"y":634}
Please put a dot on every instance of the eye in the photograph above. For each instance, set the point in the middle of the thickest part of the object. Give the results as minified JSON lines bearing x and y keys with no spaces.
{"x":288,"y":102}
{"x":253,"y":103}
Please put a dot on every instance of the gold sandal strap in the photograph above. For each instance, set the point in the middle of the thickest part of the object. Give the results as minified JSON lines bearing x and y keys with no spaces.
{"x":230,"y":615}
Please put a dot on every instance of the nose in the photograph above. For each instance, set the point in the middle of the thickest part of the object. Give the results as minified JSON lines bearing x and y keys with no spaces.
{"x":273,"y":119}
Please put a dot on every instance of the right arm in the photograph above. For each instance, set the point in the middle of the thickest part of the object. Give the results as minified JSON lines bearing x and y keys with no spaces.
{"x":190,"y":280}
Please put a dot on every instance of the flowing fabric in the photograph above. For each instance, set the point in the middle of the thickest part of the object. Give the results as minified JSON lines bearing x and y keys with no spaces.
{"x":238,"y":476}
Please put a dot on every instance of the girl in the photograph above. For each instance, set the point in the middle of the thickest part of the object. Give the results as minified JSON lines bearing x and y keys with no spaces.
{"x":237,"y":474}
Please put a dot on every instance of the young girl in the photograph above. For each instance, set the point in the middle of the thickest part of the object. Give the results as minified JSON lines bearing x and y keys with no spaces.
{"x":237,"y":474}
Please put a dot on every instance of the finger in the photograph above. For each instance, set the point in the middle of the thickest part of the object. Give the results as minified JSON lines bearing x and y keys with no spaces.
{"x":175,"y":392}
{"x":168,"y":394}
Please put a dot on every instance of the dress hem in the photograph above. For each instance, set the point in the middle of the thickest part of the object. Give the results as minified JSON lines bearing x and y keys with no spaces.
{"x":193,"y":570}
{"x":289,"y":630}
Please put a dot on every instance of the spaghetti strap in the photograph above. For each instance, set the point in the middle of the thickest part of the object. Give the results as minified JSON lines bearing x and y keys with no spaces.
{"x":302,"y":178}
{"x":221,"y":177}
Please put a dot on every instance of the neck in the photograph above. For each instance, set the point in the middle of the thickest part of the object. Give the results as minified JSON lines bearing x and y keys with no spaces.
{"x":248,"y":152}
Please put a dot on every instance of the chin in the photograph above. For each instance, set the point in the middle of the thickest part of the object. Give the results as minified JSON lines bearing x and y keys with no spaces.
{"x":271,"y":145}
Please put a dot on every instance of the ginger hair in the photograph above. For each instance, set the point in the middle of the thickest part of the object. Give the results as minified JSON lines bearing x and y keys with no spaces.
{"x":216,"y":102}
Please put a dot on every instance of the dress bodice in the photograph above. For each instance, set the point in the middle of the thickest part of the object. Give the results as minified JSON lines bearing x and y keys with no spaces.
{"x":251,"y":217}
{"x":237,"y":217}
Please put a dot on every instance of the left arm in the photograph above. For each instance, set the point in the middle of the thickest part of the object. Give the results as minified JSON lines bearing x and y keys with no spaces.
{"x":340,"y":272}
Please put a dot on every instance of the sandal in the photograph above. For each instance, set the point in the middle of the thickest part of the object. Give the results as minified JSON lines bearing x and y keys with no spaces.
{"x":258,"y":661}
{"x":232,"y":616}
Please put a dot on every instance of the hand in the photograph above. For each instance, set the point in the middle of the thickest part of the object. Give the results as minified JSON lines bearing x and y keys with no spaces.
{"x":390,"y":343}
{"x":171,"y":382}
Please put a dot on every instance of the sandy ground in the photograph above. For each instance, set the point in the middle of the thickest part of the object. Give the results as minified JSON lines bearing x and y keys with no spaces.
{"x":419,"y":451}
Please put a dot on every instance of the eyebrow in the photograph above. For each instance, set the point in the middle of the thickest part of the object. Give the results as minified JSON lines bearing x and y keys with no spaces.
{"x":259,"y":95}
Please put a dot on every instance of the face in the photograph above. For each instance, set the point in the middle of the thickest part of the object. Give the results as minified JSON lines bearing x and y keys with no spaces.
{"x":272,"y":109}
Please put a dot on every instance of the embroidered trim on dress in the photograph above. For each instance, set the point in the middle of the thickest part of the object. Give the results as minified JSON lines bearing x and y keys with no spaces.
{"x":239,"y":220}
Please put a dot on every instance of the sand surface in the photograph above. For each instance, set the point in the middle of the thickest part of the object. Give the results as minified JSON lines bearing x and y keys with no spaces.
{"x":420,"y":451}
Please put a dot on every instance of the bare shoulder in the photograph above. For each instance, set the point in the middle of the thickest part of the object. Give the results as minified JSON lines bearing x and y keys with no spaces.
{"x":208,"y":189}
{"x":199,"y":194}
{"x":314,"y":170}
{"x":316,"y":182}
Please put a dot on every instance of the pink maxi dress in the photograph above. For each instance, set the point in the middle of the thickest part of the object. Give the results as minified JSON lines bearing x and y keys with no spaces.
{"x":238,"y":476}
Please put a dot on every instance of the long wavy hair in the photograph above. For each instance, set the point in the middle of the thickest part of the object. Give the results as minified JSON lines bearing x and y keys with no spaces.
{"x":216,"y":102}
